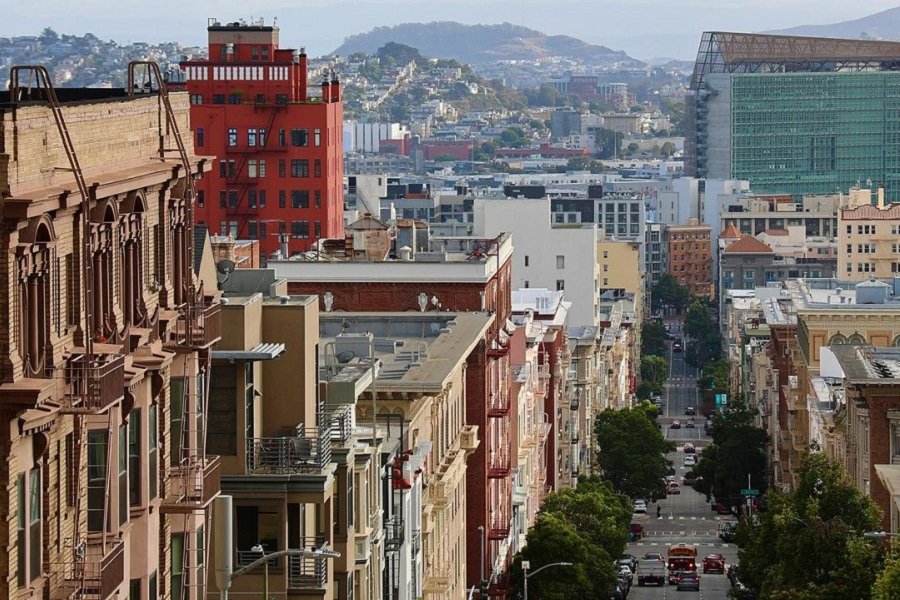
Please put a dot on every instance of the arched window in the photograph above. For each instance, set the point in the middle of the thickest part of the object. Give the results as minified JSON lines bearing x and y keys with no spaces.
{"x":896,"y":342}
{"x":856,"y":340}
{"x":103,"y":217}
{"x":131,"y":238}
{"x":837,"y":340}
{"x":34,"y":257}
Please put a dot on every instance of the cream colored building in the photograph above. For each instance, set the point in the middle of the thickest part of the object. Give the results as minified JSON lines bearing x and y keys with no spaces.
{"x":869,"y":241}
{"x":419,"y":398}
{"x":104,"y":369}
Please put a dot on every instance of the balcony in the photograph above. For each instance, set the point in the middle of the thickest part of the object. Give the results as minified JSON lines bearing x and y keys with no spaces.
{"x":498,"y":404}
{"x":416,"y":542}
{"x":393,"y":533}
{"x":307,"y":451}
{"x":342,"y":424}
{"x":468,"y":438}
{"x":498,"y":528}
{"x":306,"y":572}
{"x":199,"y":326}
{"x":498,"y":464}
{"x":94,"y":386}
{"x":193,"y":485}
{"x":94,"y":574}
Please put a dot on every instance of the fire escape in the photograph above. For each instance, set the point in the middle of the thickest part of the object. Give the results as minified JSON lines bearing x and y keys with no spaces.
{"x":191,"y":482}
{"x":88,"y":567}
{"x":239,"y":177}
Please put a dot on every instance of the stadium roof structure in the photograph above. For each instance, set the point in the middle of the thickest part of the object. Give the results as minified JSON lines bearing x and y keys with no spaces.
{"x":725,"y":52}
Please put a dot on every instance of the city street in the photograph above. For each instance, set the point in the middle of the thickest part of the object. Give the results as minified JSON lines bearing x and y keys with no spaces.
{"x":686,"y":517}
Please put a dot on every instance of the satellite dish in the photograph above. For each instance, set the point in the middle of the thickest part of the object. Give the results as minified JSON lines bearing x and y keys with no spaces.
{"x":225,"y":268}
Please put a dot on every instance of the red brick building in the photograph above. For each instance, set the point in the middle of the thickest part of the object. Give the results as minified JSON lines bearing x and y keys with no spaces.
{"x":690,"y":257}
{"x":472,"y":275}
{"x":278,"y":142}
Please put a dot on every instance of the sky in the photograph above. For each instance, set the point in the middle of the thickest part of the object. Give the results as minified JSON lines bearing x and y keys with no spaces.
{"x":645,"y":29}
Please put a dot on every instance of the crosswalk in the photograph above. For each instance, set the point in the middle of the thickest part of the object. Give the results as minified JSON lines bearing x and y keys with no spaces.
{"x":703,"y":544}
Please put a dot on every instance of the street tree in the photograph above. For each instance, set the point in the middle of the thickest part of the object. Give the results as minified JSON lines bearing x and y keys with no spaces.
{"x":553,"y":538}
{"x":738,"y":449}
{"x":705,"y":345}
{"x":587,"y":526}
{"x":631,"y":451}
{"x":655,"y":371}
{"x":668,"y":292}
{"x":809,"y":543}
{"x":887,"y":584}
{"x":653,"y":339}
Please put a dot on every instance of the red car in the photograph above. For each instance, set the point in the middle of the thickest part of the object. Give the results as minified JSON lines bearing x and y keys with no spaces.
{"x":637,"y":530}
{"x":714,"y":563}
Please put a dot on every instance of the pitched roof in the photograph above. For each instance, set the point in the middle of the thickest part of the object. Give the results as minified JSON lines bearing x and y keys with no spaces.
{"x":748,"y":245}
{"x":730,"y":231}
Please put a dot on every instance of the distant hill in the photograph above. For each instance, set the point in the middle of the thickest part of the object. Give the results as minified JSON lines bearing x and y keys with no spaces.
{"x":480,"y":44}
{"x":880,"y":26}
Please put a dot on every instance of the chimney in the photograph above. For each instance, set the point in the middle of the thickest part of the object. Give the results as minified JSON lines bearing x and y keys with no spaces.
{"x":304,"y":66}
{"x":326,"y":90}
{"x":881,"y":196}
{"x":335,"y":87}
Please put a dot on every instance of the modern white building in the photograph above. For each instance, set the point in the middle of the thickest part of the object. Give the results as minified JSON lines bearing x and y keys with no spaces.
{"x":555,"y":258}
{"x":365,"y":137}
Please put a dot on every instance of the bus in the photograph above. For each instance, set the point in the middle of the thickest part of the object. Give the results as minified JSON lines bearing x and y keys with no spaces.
{"x":682,"y":557}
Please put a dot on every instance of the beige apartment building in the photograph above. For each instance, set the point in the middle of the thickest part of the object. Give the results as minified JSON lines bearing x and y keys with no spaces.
{"x":620,"y":267}
{"x":418,"y":398}
{"x":869,"y":241}
{"x":105,"y":361}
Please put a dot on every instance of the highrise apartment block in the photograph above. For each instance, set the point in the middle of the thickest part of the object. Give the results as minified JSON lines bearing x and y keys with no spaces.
{"x":794,"y":115}
{"x":278,"y":141}
{"x":105,"y":367}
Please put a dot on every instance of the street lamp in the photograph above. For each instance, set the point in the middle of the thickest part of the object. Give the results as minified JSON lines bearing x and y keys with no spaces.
{"x":259,"y":548}
{"x":880,"y":535}
{"x":527,"y":565}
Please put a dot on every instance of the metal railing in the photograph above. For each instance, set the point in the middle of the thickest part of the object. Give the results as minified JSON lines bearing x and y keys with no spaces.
{"x":306,"y":572}
{"x":393,"y":533}
{"x":245,"y":557}
{"x":206,"y":325}
{"x":106,"y":373}
{"x":416,"y":542}
{"x":309,"y":451}
{"x":498,"y":404}
{"x":342,"y":423}
{"x":498,"y":464}
{"x":93,"y":573}
{"x":193,"y":484}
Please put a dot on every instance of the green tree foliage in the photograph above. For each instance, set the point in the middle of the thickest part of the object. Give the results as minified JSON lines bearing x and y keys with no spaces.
{"x":667,"y":149}
{"x":715,"y":375}
{"x":609,"y":143}
{"x":631,"y":451}
{"x":587,"y":526}
{"x":809,"y":545}
{"x":738,"y":449}
{"x":887,"y":585}
{"x":675,"y":112}
{"x":667,"y":292}
{"x":644,"y":391}
{"x":653,"y":339}
{"x":399,"y":54}
{"x":513,"y":137}
{"x":655,"y":371}
{"x":705,"y":345}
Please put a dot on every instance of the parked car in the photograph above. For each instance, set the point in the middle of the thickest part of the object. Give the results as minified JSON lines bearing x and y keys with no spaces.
{"x":629,"y":560}
{"x":626,"y":574}
{"x":721,"y":509}
{"x":673,"y":489}
{"x":727,"y":532}
{"x":690,"y":411}
{"x":640,"y":506}
{"x":688,"y":448}
{"x":636,"y":530}
{"x":689,"y":460}
{"x":677,"y":347}
{"x":676,"y":424}
{"x":714,"y":563}
{"x":689,"y":582}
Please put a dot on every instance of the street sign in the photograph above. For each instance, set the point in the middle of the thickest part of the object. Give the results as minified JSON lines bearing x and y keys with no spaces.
{"x":750,"y":492}
{"x":721,"y":399}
